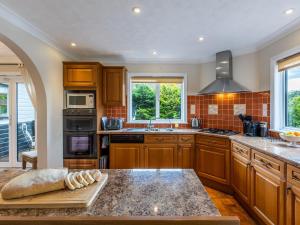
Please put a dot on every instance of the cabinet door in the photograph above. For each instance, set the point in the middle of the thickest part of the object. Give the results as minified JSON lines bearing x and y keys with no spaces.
{"x":160,"y":155}
{"x":267,"y":196}
{"x":81,"y":163}
{"x":80,"y":75}
{"x":240,"y":176}
{"x":213,"y":163}
{"x":124,"y":156}
{"x":114,"y":86}
{"x":185,"y":156}
{"x":293,"y":205}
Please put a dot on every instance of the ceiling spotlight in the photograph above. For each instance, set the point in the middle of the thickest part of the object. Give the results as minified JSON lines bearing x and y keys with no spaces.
{"x":219,"y":67}
{"x":73,"y":44}
{"x":154,"y":53}
{"x":201,"y":39}
{"x":289,"y":11}
{"x":136,"y":10}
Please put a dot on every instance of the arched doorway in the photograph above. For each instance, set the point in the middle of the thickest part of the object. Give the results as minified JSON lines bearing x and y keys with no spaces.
{"x":41,"y":106}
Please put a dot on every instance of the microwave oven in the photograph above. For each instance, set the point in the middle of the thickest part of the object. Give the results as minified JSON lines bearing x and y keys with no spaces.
{"x":80,"y":100}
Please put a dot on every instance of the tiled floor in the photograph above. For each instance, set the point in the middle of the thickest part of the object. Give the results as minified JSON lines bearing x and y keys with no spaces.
{"x":228,"y":206}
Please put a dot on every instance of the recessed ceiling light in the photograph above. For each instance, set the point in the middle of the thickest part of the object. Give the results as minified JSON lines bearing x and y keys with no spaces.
{"x":73,"y":44}
{"x":136,"y":10}
{"x":289,"y":11}
{"x":201,"y":38}
{"x":219,"y":67}
{"x":154,"y":53}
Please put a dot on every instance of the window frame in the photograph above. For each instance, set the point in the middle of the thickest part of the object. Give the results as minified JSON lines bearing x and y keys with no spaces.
{"x":285,"y":101}
{"x":183,"y":119}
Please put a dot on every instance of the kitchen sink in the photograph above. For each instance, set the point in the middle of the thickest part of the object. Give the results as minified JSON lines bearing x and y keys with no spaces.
{"x":149,"y":130}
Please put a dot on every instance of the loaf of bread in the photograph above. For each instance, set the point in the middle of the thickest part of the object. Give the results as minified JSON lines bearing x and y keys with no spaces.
{"x":35,"y":182}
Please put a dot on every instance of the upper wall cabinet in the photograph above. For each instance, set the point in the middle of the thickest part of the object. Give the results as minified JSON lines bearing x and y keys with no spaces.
{"x":114,"y":79}
{"x":82,"y":75}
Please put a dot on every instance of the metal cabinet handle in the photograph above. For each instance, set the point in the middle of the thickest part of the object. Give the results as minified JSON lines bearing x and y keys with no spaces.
{"x":295,"y":177}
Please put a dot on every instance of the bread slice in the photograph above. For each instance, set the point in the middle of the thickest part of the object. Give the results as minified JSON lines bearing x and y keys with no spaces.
{"x":35,"y":182}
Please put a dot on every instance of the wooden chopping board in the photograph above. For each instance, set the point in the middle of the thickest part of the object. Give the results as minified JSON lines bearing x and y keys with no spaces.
{"x":79,"y":198}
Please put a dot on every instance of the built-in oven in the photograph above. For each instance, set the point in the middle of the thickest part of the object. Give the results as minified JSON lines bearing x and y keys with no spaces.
{"x":80,"y":145}
{"x":80,"y":127}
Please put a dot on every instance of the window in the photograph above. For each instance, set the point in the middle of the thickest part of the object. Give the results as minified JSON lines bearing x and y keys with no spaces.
{"x":161,"y":98}
{"x":292,"y":97}
{"x":289,"y":69}
{"x":3,"y":101}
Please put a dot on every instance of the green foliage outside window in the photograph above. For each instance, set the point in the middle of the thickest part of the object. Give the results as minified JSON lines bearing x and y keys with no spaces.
{"x":293,"y":114}
{"x":144,"y":101}
{"x":3,"y":104}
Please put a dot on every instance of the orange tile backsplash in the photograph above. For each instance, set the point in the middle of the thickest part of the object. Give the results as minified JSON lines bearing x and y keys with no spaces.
{"x":225,"y":119}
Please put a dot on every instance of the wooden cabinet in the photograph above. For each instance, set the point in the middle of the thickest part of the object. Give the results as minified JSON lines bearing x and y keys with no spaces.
{"x":267,"y":188}
{"x":213,"y":158}
{"x":185,"y":156}
{"x":81,"y":163}
{"x":240,"y":171}
{"x":125,"y":156}
{"x":81,"y":75}
{"x":160,"y":155}
{"x":114,"y":79}
{"x":293,"y":196}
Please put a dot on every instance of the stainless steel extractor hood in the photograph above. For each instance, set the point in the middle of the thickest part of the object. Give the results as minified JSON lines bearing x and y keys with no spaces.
{"x":224,"y":82}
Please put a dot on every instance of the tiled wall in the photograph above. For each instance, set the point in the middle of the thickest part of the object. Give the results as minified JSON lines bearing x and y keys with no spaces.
{"x":225,"y":118}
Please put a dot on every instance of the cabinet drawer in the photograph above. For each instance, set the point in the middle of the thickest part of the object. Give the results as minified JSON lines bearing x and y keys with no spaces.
{"x":268,"y":163}
{"x":162,"y":139}
{"x":293,"y":175}
{"x":213,"y":141}
{"x":81,"y":163}
{"x":241,"y":150}
{"x":186,"y":138}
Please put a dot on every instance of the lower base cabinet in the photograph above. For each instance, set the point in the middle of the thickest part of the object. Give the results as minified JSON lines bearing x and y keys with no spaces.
{"x":293,"y":196}
{"x":125,"y":156}
{"x":240,"y":176}
{"x":268,"y":189}
{"x":160,"y":155}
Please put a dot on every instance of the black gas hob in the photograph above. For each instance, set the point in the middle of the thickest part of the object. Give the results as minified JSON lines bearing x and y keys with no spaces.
{"x":218,"y":131}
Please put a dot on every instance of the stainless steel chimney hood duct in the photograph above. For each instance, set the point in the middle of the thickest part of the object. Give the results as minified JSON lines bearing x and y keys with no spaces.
{"x":224,"y":82}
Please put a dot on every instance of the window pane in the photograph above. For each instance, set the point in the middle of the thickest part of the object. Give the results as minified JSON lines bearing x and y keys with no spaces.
{"x":25,"y":121}
{"x":293,"y":97}
{"x":170,"y":101}
{"x":143,"y":101}
{"x":4,"y":123}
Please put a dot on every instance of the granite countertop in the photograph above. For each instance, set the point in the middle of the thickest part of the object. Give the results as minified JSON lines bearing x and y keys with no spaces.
{"x":143,"y":131}
{"x":137,"y":192}
{"x":276,"y":148}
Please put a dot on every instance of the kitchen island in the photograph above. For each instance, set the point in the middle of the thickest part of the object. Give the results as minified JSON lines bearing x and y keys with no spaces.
{"x":133,"y":197}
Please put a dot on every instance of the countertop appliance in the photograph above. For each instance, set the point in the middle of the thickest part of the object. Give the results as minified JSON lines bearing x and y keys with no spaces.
{"x":218,"y":131}
{"x":224,"y":82}
{"x":79,"y":133}
{"x":195,"y":123}
{"x":263,"y":129}
{"x":81,"y":100}
{"x":111,"y":123}
{"x":127,"y":138}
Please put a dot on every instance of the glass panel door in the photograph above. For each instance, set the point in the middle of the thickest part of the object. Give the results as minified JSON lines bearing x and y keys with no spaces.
{"x":4,"y":123}
{"x":17,"y":121}
{"x":25,"y":121}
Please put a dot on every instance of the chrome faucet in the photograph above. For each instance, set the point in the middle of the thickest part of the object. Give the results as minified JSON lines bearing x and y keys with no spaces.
{"x":171,"y":125}
{"x":149,"y":125}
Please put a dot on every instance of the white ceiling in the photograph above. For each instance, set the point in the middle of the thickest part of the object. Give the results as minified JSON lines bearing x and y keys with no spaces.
{"x":108,"y":30}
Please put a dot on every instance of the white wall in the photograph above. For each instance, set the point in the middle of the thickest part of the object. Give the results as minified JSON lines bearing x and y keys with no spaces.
{"x":45,"y":65}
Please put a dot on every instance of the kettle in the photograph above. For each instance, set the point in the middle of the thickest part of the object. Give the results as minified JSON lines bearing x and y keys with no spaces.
{"x":195,"y":123}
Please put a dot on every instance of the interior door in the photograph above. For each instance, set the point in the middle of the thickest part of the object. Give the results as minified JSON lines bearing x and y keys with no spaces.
{"x":17,"y":121}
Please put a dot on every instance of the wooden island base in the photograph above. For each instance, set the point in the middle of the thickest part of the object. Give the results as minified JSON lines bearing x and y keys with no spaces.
{"x":151,"y":220}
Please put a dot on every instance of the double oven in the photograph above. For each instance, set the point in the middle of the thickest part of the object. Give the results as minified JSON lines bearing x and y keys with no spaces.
{"x":80,"y":137}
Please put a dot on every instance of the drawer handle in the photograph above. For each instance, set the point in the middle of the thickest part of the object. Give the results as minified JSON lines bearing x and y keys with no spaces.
{"x":295,"y":177}
{"x":266,"y":164}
